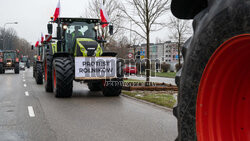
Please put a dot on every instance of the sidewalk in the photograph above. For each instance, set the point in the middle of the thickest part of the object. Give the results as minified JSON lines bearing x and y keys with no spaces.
{"x":155,"y":79}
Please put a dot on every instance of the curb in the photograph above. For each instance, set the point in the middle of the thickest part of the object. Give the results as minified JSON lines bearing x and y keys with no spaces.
{"x":148,"y":103}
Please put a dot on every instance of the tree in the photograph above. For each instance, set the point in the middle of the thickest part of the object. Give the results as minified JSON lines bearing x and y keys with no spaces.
{"x":179,"y":28}
{"x":120,"y":46}
{"x":145,"y":15}
{"x":10,"y":41}
{"x":112,"y":8}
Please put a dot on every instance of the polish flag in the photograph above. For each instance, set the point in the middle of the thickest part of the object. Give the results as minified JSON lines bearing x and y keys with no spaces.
{"x":57,"y":11}
{"x":103,"y":14}
{"x":42,"y":38}
{"x":37,"y":43}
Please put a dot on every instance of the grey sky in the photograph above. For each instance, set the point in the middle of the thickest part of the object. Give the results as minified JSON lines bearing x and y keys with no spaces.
{"x":33,"y":15}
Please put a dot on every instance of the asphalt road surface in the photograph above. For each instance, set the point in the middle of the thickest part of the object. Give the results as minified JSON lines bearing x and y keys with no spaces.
{"x":28,"y":113}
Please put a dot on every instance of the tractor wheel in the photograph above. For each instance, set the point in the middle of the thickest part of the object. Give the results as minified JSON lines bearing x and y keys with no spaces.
{"x":95,"y":86}
{"x":16,"y":68}
{"x":48,"y":61}
{"x":39,"y":73}
{"x":34,"y":70}
{"x":1,"y":68}
{"x":63,"y":77}
{"x":214,"y":98}
{"x":112,"y":87}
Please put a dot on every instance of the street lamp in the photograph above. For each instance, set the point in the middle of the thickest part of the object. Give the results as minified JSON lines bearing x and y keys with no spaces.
{"x":5,"y":33}
{"x":9,"y":23}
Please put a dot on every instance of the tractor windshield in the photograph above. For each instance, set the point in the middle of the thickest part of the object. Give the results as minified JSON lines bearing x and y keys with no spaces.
{"x":9,"y":55}
{"x":79,"y":30}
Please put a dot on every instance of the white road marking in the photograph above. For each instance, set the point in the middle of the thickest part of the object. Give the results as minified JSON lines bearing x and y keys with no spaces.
{"x":23,"y":80}
{"x":31,"y":111}
{"x":25,"y":85}
{"x":27,"y":93}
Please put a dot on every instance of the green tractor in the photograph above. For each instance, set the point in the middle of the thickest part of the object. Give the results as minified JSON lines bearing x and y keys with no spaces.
{"x":77,"y":54}
{"x":38,"y":63}
{"x":9,"y":60}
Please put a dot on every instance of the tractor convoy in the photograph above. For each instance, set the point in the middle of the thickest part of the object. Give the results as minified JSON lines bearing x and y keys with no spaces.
{"x":213,"y":94}
{"x":77,"y":54}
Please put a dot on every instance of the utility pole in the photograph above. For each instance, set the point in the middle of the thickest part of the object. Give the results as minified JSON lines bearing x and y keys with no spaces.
{"x":148,"y":42}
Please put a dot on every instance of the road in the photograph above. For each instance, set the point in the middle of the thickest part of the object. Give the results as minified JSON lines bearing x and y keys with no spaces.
{"x":84,"y":117}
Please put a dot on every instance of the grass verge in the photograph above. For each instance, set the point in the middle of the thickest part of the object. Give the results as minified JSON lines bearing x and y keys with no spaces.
{"x":159,"y":98}
{"x":166,"y":74}
{"x":163,"y":74}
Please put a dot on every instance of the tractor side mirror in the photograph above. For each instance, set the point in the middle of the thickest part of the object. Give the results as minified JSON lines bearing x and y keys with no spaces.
{"x":50,"y":28}
{"x":111,"y":29}
{"x":32,"y":47}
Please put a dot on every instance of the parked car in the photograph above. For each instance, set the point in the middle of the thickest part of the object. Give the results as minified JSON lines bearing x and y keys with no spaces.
{"x":130,"y":69}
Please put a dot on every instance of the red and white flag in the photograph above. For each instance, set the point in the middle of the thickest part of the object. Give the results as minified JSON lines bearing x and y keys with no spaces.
{"x":57,"y":11}
{"x":103,"y":14}
{"x":37,"y":43}
{"x":42,"y":38}
{"x":48,"y":38}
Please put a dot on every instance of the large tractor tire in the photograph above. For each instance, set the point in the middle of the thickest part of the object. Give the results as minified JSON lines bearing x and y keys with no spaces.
{"x":48,"y":62}
{"x":63,"y":77}
{"x":34,"y":70}
{"x":112,"y":87}
{"x":95,"y":86}
{"x":214,"y":98}
{"x":16,"y":70}
{"x":1,"y":68}
{"x":39,"y":73}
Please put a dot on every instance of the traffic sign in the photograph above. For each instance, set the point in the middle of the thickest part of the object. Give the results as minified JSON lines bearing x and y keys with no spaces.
{"x":130,"y":55}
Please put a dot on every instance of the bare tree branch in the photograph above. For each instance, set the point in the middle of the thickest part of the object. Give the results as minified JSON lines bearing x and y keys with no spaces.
{"x":112,"y":8}
{"x":180,"y":29}
{"x":145,"y":15}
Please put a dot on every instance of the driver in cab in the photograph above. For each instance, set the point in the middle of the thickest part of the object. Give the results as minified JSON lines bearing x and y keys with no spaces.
{"x":76,"y":33}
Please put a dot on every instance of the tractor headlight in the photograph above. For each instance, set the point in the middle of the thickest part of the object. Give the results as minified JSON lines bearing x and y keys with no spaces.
{"x":96,"y":28}
{"x":9,"y":63}
{"x":65,"y":27}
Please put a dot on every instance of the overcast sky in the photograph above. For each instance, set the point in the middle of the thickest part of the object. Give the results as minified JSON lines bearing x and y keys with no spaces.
{"x":33,"y":15}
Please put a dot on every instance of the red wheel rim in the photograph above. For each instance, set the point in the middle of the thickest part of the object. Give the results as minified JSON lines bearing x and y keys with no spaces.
{"x":45,"y":69}
{"x":54,"y":76}
{"x":223,"y":101}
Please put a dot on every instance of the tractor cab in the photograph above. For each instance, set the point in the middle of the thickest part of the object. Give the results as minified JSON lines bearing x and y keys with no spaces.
{"x":39,"y":53}
{"x":25,"y":59}
{"x":79,"y":36}
{"x":9,"y":57}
